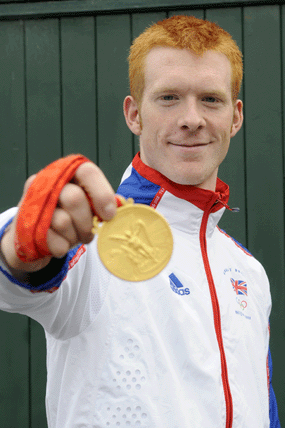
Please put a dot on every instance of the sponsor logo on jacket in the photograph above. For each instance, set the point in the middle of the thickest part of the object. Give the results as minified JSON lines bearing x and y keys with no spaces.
{"x":177,"y":286}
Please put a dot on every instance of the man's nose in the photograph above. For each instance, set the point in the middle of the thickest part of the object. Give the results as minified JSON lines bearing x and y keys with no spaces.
{"x":191,"y":116}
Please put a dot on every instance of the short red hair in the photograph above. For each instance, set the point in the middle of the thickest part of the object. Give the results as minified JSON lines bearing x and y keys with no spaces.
{"x":183,"y":32}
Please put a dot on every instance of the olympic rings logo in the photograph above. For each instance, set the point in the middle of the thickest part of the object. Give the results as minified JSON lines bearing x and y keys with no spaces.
{"x":242,"y":303}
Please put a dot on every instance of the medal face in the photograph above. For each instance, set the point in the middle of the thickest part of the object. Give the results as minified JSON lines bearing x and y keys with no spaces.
{"x":136,"y":244}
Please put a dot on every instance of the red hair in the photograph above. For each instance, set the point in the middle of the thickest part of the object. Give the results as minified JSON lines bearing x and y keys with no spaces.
{"x":183,"y":32}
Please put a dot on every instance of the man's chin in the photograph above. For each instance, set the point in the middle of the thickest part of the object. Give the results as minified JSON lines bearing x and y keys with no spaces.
{"x":208,"y":183}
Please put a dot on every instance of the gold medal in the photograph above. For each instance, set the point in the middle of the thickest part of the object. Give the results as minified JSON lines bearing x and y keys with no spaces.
{"x":136,"y":244}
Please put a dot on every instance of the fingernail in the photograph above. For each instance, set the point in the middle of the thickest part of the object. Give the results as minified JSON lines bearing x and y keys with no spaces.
{"x":110,"y":210}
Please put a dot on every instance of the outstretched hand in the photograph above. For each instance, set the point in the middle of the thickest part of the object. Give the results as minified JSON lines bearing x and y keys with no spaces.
{"x":71,"y":222}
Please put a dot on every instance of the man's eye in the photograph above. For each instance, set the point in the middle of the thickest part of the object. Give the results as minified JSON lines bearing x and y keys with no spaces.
{"x":210,"y":99}
{"x":168,"y":97}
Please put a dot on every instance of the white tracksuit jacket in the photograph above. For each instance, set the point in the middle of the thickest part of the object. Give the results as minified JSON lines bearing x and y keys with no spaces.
{"x":186,"y":349}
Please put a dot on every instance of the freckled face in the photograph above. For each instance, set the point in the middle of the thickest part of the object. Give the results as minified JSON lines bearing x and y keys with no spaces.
{"x":187,"y":115}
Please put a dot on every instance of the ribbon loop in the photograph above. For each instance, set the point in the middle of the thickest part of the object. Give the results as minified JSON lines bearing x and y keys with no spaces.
{"x":36,"y":211}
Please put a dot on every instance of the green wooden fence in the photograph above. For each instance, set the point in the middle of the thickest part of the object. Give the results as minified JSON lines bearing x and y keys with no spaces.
{"x":63,"y":77}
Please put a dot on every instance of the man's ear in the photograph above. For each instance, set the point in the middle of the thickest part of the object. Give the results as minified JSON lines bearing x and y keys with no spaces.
{"x":131,"y":113}
{"x":237,"y":118}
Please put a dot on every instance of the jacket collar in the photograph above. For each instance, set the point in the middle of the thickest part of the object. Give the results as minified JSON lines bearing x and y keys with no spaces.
{"x":201,"y":198}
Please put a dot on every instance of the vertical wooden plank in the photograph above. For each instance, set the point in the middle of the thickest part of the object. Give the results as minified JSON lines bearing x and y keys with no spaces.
{"x":14,"y":351}
{"x":44,"y":146}
{"x":115,"y":140}
{"x":280,"y":317}
{"x":198,"y":13}
{"x":232,"y":170}
{"x":140,"y":21}
{"x":264,"y":163}
{"x":14,"y":373}
{"x":43,"y":93}
{"x":283,"y":75}
{"x":78,"y":86}
{"x":12,"y":114}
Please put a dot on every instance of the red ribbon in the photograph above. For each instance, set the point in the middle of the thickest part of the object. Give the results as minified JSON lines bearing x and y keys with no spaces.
{"x":36,"y":211}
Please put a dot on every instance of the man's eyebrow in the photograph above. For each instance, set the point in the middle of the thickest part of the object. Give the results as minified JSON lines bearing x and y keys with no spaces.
{"x":205,"y":91}
{"x":217,"y":92}
{"x":166,"y":88}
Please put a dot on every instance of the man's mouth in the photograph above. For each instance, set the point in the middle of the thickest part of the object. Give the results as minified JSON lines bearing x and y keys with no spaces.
{"x":189,"y":145}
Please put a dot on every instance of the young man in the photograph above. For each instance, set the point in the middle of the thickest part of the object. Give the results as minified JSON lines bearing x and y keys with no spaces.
{"x":165,"y":352}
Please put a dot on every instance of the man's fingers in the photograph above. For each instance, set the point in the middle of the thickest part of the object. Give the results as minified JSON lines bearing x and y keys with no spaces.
{"x":97,"y":187}
{"x":57,"y":244}
{"x":72,"y":222}
{"x":62,"y":224}
{"x":74,"y":202}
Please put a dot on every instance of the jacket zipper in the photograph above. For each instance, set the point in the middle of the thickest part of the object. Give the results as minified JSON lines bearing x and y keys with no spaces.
{"x":217,"y":320}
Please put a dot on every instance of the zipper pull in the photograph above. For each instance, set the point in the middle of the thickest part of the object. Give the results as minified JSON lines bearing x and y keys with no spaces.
{"x":234,"y":210}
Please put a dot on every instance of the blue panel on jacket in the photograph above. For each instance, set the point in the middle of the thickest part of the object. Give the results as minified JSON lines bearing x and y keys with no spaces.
{"x":273,"y":410}
{"x":139,"y":188}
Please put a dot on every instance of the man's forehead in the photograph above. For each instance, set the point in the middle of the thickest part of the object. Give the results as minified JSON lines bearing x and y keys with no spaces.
{"x":166,"y":65}
{"x":166,"y":55}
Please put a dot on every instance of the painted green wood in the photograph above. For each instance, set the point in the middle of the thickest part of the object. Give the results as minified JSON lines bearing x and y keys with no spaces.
{"x":14,"y":373}
{"x":14,"y":334}
{"x":79,"y":86}
{"x":43,"y":93}
{"x":115,"y":140}
{"x":198,"y":13}
{"x":232,"y":170}
{"x":43,"y":146}
{"x":264,"y":166}
{"x":140,"y":21}
{"x":12,"y":113}
{"x":63,"y":8}
{"x":283,"y":74}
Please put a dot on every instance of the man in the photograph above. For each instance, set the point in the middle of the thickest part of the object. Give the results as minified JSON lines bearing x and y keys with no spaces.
{"x":189,"y":347}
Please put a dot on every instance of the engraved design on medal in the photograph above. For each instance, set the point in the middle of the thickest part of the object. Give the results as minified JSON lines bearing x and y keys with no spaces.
{"x":137,"y":247}
{"x":136,"y":244}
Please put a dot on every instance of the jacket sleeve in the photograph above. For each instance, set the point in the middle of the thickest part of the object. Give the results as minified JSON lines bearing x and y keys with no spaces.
{"x":50,"y":278}
{"x":273,"y":410}
{"x":62,"y":301}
